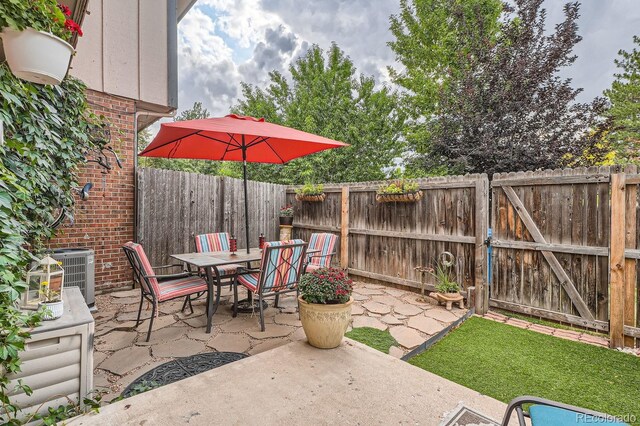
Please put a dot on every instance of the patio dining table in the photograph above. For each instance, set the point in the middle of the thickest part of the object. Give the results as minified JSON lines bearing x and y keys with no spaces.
{"x":210,"y":262}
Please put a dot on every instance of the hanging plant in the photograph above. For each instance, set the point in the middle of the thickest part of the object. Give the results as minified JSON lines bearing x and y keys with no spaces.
{"x":35,"y":36}
{"x":399,"y":191}
{"x":310,"y":192}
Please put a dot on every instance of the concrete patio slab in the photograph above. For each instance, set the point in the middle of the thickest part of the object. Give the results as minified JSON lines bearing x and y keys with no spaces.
{"x":352,"y":384}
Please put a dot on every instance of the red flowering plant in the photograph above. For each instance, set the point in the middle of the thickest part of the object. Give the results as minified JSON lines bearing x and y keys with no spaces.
{"x":326,"y":286}
{"x":41,"y":15}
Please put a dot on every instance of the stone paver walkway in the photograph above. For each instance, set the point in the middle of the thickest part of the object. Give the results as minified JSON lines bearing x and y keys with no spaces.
{"x":121,"y":353}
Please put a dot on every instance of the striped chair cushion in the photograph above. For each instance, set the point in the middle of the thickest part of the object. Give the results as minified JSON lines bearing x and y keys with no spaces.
{"x":146,"y":267}
{"x":181,"y":287}
{"x":250,"y":281}
{"x":324,"y":242}
{"x":218,"y":241}
{"x":280,"y":266}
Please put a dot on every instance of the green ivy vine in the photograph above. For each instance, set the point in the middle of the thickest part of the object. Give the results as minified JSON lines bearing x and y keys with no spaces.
{"x":46,"y":134}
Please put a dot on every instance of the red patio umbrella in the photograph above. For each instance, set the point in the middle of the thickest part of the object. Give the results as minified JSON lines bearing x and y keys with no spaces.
{"x":235,"y":138}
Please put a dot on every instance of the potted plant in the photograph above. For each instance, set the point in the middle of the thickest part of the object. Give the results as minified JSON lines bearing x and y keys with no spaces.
{"x":447,"y":288}
{"x":311,"y":192}
{"x":325,"y":306}
{"x":399,"y":191}
{"x":286,"y":215}
{"x":35,"y":37}
{"x":51,"y":304}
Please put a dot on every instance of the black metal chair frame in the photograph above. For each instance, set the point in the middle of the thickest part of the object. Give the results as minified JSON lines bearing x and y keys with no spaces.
{"x":517,"y":403}
{"x":139,"y":275}
{"x":309,"y":256}
{"x":273,"y":268}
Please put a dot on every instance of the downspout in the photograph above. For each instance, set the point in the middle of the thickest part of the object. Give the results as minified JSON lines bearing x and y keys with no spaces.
{"x":135,"y":162}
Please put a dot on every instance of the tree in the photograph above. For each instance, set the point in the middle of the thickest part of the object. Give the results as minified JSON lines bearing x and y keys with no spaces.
{"x":624,"y":98}
{"x":427,"y":43}
{"x":325,"y":97}
{"x":503,"y":107}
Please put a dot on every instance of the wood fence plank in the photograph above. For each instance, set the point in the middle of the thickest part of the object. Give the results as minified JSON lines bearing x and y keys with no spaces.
{"x":616,"y":261}
{"x":481,"y":225}
{"x":630,"y":278}
{"x":344,"y":229}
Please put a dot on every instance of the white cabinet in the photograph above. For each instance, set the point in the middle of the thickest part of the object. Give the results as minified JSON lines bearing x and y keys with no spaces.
{"x":57,"y":362}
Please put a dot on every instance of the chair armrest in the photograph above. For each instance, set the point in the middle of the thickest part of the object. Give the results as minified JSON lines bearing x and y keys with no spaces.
{"x":164,"y":276}
{"x":321,"y":255}
{"x":517,"y":403}
{"x":243,"y":270}
{"x":173,"y":265}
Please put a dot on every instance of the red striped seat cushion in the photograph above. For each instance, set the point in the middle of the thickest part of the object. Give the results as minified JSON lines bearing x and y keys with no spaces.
{"x":181,"y":287}
{"x":250,"y":281}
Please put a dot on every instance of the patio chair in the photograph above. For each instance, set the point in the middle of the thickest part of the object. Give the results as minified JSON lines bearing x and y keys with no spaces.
{"x":544,"y":412}
{"x":160,"y":288}
{"x":218,"y":241}
{"x":324,"y":242}
{"x":280,"y":270}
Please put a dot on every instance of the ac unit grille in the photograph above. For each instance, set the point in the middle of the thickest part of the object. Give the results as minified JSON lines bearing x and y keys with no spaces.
{"x":79,"y":271}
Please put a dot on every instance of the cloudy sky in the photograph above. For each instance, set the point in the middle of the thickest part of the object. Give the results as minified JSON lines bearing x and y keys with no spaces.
{"x":225,"y":42}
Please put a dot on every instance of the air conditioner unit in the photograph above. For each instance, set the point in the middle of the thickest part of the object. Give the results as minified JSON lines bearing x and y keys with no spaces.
{"x":79,"y":271}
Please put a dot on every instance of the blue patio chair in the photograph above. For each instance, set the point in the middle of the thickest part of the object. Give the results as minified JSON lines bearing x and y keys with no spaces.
{"x":544,"y":412}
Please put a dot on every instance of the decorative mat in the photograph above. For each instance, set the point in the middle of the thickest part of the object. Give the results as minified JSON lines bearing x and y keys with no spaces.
{"x":465,"y":416}
{"x":181,"y":368}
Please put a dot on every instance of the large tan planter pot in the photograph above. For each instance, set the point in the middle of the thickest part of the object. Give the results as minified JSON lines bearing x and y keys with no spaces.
{"x":325,"y":325}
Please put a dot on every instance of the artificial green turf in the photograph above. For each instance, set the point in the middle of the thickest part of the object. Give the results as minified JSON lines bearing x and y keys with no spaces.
{"x":504,"y":362}
{"x":377,"y":339}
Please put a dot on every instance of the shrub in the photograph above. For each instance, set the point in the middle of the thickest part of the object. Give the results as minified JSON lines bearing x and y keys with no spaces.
{"x":286,"y":211}
{"x":400,"y":186}
{"x":310,"y":189}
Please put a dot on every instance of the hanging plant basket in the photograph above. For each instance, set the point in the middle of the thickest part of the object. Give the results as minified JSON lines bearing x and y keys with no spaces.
{"x":408,"y":197}
{"x":318,"y":198}
{"x":36,"y":56}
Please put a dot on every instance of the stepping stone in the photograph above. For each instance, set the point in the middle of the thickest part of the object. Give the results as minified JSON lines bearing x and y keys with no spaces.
{"x":364,"y":321}
{"x":407,"y":309}
{"x":164,"y":335}
{"x":161,"y":322}
{"x":376,"y":308}
{"x":127,"y":301}
{"x":125,"y":360}
{"x":441,"y":315}
{"x":268,"y":345}
{"x":173,"y":307}
{"x":177,"y":348}
{"x":298,"y":335}
{"x":270,"y":331}
{"x":357,"y":310}
{"x":368,"y":291}
{"x":395,"y":292}
{"x":199,"y":321}
{"x":387,"y":300}
{"x":124,"y":294}
{"x":200,"y":334}
{"x":359,"y":297}
{"x":396,"y":352}
{"x":226,"y":342}
{"x":98,"y":357}
{"x":407,"y":337}
{"x":130,"y":308}
{"x":375,"y":286}
{"x":288,"y":319}
{"x":425,"y":324}
{"x":414,"y":299}
{"x":110,"y":326}
{"x":101,"y":382}
{"x":131,"y":316}
{"x":115,"y":340}
{"x":240,"y":324}
{"x":391,"y":320}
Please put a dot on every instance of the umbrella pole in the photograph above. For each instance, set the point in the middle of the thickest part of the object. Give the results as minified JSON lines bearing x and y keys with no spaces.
{"x":246,"y":198}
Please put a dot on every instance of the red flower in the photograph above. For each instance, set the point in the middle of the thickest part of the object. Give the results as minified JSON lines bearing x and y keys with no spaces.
{"x":65,"y":9}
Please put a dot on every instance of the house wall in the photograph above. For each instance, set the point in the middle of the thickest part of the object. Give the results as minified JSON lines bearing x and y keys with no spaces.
{"x":125,"y":50}
{"x":105,"y":221}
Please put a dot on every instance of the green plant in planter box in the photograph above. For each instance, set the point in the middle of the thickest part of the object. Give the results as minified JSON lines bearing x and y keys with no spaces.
{"x":310,"y":189}
{"x":399,"y":186}
{"x":442,"y":273}
{"x":41,"y":15}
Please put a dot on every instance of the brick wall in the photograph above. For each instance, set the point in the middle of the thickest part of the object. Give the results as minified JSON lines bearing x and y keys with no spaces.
{"x":105,"y":221}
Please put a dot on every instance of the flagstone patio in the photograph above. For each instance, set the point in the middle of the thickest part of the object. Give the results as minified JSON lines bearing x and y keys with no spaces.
{"x":121,"y":353}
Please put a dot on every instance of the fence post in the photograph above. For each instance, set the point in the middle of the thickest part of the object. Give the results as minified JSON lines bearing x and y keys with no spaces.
{"x":630,"y":274}
{"x":481,"y":225}
{"x":616,"y":261}
{"x":344,"y":229}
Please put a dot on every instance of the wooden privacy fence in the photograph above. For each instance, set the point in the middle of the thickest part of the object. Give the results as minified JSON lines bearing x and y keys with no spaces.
{"x":387,"y":241}
{"x":175,"y":206}
{"x":565,"y":247}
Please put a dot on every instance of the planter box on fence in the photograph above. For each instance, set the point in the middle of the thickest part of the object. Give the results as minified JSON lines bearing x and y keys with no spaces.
{"x":312,"y":198}
{"x":409,"y":197}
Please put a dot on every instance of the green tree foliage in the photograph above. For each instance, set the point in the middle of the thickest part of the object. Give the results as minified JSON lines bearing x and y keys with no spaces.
{"x":325,"y":96}
{"x":427,"y":43}
{"x":624,"y":112}
{"x":47,"y":133}
{"x":502,"y":106}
